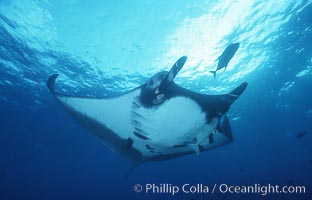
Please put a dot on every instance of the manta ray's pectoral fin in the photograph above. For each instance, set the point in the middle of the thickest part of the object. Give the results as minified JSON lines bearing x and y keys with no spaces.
{"x":50,"y":83}
{"x":104,"y":117}
{"x":223,"y":102}
{"x":234,"y":94}
{"x":238,"y":90}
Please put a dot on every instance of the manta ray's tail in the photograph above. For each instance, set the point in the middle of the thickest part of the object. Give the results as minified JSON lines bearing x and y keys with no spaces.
{"x":133,"y":166}
{"x":214,"y":73}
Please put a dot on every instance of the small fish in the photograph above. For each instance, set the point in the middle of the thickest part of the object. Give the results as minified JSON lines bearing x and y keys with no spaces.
{"x":301,"y":134}
{"x":225,"y":57}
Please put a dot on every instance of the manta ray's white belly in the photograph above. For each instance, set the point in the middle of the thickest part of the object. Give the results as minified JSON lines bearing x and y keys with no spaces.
{"x":176,"y":121}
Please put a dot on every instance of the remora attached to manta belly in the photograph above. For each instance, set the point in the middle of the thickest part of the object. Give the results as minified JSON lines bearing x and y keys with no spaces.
{"x":157,"y":120}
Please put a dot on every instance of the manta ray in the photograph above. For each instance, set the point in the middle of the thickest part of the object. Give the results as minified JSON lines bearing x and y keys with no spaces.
{"x":156,"y":121}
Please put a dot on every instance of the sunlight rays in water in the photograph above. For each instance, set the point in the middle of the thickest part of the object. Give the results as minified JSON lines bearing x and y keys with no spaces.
{"x":252,"y":23}
{"x":35,"y":45}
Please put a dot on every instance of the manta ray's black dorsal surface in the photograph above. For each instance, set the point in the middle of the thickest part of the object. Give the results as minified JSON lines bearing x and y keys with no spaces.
{"x":157,"y":120}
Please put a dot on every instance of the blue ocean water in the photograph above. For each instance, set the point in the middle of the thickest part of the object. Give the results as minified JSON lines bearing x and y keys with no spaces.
{"x":103,"y":48}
